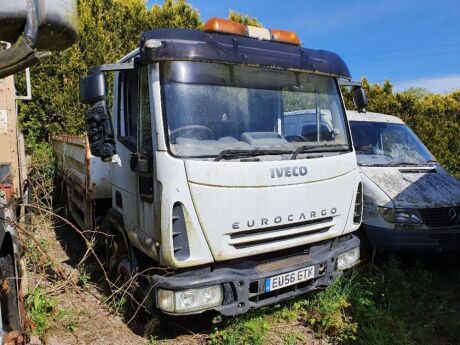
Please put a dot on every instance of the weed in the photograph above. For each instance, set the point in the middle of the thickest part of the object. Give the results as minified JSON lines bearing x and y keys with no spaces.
{"x":328,"y":311}
{"x":84,"y":276}
{"x":116,"y":302}
{"x":245,"y":330}
{"x":43,"y":312}
{"x":290,"y":338}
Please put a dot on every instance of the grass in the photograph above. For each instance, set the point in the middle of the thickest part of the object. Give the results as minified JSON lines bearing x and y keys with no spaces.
{"x":397,"y":302}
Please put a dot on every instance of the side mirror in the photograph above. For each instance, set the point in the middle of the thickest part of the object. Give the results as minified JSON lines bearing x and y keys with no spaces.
{"x":93,"y":91}
{"x":139,"y":163}
{"x":93,"y":88}
{"x":100,"y":132}
{"x":359,"y":98}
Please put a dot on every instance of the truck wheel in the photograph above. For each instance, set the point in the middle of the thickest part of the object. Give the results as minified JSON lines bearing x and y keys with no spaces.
{"x":124,"y":267}
{"x":119,"y":264}
{"x":9,"y":295}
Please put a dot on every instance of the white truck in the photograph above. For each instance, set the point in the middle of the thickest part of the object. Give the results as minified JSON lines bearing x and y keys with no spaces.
{"x":410,"y":202}
{"x":200,"y":185}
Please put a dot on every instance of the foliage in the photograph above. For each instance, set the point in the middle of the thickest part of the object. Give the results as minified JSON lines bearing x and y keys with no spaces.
{"x":43,"y":313}
{"x":328,"y":311}
{"x":405,"y":303}
{"x":41,"y":175}
{"x":246,"y":19}
{"x":250,"y":329}
{"x":434,"y":118}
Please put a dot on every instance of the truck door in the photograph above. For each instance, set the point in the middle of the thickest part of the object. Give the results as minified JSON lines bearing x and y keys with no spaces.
{"x":133,"y":191}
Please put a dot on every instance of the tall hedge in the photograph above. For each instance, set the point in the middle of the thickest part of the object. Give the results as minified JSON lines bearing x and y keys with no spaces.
{"x":435,"y":118}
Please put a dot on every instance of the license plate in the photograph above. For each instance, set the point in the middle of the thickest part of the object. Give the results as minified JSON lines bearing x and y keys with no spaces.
{"x":290,"y":278}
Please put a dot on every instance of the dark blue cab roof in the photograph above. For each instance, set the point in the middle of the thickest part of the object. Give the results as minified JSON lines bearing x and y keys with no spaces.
{"x":194,"y":45}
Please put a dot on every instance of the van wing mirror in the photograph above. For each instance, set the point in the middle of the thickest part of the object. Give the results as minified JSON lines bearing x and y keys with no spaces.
{"x":359,"y":98}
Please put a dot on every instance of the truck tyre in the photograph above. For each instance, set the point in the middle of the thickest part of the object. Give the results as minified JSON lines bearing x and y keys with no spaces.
{"x":119,"y":265}
{"x":9,"y":295}
{"x":123,"y":263}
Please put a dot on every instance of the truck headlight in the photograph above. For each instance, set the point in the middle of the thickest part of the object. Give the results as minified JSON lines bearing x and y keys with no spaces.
{"x":401,"y":215}
{"x":348,"y":259}
{"x":189,"y":300}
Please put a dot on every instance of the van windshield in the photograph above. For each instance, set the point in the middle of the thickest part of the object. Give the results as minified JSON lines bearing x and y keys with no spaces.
{"x":210,"y":107}
{"x":379,"y":143}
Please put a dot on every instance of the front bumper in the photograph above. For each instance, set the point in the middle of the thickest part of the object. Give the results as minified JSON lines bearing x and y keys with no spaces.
{"x":440,"y":240}
{"x":243,"y":281}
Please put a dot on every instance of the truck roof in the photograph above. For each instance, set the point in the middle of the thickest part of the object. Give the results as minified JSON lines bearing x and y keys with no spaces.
{"x":354,"y":115}
{"x":195,"y":45}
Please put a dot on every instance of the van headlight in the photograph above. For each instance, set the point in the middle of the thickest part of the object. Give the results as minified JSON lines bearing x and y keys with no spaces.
{"x":401,"y":215}
{"x":189,"y":300}
{"x":348,"y":259}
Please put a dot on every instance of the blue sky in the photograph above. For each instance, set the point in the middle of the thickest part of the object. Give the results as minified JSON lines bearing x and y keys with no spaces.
{"x":411,"y":42}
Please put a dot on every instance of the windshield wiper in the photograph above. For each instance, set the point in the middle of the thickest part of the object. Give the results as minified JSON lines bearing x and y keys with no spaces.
{"x":403,"y":164}
{"x":248,"y":153}
{"x":322,"y":148}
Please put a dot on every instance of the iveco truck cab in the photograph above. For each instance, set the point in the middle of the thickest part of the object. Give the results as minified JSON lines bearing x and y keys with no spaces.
{"x":231,"y":167}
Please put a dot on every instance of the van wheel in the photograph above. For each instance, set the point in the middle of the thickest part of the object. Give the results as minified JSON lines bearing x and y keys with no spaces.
{"x":366,"y":251}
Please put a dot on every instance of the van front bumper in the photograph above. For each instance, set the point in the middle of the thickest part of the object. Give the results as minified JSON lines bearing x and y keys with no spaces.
{"x":244,"y":281}
{"x":440,"y":240}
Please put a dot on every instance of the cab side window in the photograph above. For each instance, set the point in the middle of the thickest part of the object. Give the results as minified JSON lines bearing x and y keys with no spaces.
{"x":144,"y":122}
{"x":129,"y":109}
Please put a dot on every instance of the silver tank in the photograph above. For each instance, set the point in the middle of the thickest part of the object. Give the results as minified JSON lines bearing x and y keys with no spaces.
{"x":57,"y":22}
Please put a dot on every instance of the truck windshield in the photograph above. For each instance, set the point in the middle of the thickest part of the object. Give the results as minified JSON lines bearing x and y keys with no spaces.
{"x":388,"y":144}
{"x":210,"y":107}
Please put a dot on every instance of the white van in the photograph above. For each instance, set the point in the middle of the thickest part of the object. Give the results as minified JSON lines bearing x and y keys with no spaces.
{"x":410,"y":201}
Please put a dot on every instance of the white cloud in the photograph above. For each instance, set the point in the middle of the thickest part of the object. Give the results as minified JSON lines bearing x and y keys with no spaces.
{"x":442,"y":84}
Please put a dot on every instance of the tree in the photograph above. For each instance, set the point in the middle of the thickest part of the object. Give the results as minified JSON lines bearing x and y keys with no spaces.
{"x":244,"y":18}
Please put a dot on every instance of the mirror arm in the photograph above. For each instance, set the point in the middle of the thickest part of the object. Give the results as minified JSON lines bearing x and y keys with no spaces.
{"x":112,"y":67}
{"x":346,"y":82}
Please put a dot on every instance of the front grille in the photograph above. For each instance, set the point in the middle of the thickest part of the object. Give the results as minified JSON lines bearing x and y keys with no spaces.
{"x":441,"y":217}
{"x":248,"y":238}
